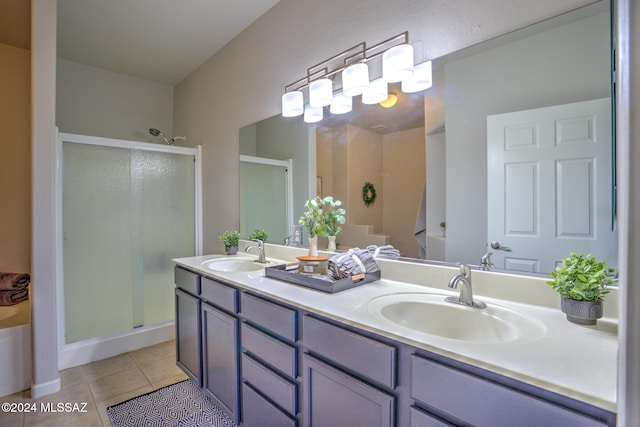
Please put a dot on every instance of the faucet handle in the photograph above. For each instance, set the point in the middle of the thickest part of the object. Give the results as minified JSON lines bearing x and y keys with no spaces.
{"x":465,"y":269}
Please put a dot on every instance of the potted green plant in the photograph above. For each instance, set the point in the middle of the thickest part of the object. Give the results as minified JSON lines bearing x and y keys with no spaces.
{"x":259,"y":234}
{"x":314,"y":222}
{"x":334,"y":215}
{"x":230,"y":240}
{"x":582,"y":283}
{"x":443,"y":227}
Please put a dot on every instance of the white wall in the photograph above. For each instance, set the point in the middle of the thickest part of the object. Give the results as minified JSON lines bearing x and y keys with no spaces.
{"x":243,"y":83}
{"x":484,"y":84}
{"x":91,"y":101}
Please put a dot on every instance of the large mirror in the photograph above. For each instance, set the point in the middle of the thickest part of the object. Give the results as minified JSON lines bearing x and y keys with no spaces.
{"x":512,"y":146}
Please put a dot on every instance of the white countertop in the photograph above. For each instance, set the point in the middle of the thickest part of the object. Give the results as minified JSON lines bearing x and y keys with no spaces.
{"x":573,"y":360}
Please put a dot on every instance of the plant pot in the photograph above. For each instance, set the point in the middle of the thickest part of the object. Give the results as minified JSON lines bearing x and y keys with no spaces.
{"x":313,"y":246}
{"x":581,"y":312}
{"x":231,"y":250}
{"x":332,"y":243}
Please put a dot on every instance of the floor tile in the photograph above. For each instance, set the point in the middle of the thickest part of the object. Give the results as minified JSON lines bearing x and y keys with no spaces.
{"x":160,"y":369}
{"x":103,"y":368}
{"x":103,"y":405}
{"x":170,"y":380}
{"x":113,"y":385}
{"x":153,"y":353}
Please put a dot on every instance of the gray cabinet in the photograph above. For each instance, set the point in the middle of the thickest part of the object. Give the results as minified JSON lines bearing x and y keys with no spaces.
{"x":188,"y":326}
{"x":220,"y":359}
{"x":272,"y":364}
{"x":337,"y":399}
{"x":269,"y":363}
{"x":468,"y":398}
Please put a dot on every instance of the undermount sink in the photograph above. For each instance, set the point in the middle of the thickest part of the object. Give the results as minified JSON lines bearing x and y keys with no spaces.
{"x":236,"y":264}
{"x":430,"y":314}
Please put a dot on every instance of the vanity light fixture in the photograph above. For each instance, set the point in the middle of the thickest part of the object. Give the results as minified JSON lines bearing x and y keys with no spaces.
{"x":320,"y":93}
{"x":292,"y":104}
{"x":355,"y":79}
{"x":420,"y":80}
{"x":312,"y":114}
{"x":397,"y":63}
{"x":378,"y":91}
{"x":341,"y":104}
{"x":350,"y":68}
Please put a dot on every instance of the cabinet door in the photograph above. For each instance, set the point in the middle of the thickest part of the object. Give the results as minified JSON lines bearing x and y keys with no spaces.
{"x":334,"y":398}
{"x":188,"y":344}
{"x":220,"y":358}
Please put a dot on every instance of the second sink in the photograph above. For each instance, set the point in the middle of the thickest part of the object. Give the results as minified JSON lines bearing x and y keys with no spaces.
{"x":239,"y":264}
{"x":429,"y":314}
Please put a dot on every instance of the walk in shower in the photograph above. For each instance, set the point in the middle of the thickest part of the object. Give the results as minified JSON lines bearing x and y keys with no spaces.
{"x":127,"y":209}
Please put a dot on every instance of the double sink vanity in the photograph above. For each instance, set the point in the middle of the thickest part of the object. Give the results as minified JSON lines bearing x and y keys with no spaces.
{"x":391,"y":352}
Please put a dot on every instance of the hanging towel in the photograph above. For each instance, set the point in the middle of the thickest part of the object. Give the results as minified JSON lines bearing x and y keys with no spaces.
{"x":13,"y":297}
{"x":13,"y":281}
{"x":355,"y":261}
{"x":386,"y":251}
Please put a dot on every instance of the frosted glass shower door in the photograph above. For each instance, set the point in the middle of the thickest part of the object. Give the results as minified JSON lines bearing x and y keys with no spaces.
{"x":264,"y":198}
{"x":126,"y":213}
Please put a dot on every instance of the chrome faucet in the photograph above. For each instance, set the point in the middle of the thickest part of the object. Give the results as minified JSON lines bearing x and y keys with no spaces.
{"x":485,"y":261}
{"x":466,"y":294}
{"x":260,"y":247}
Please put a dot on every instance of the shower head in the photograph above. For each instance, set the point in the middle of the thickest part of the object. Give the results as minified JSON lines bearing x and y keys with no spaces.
{"x":156,"y":132}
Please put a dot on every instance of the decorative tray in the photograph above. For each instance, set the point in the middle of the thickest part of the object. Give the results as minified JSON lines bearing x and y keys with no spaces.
{"x":325,"y":284}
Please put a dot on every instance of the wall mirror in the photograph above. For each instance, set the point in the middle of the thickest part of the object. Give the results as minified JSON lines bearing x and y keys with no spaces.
{"x":512,"y":146}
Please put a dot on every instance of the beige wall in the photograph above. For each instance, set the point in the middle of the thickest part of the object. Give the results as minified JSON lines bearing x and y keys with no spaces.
{"x":15,"y":152}
{"x":404,"y":176}
{"x":91,"y":101}
{"x":243,"y":83}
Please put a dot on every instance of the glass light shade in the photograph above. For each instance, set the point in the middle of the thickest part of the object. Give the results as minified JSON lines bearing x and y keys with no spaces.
{"x":312,"y":114}
{"x":341,"y":104}
{"x":397,"y":63}
{"x":378,"y":91}
{"x":292,"y":104}
{"x":421,"y":79}
{"x":320,"y":93}
{"x":355,"y":79}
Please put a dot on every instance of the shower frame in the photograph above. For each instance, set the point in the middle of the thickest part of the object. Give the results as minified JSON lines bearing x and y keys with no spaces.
{"x":93,"y":349}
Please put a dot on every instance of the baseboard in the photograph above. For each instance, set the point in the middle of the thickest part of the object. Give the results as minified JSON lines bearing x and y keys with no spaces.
{"x":95,"y":349}
{"x":39,"y":390}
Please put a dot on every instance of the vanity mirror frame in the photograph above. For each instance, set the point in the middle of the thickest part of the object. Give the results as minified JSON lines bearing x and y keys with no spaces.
{"x":479,"y":250}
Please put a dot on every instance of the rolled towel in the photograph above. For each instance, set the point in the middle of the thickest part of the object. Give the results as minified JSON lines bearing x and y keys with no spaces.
{"x":13,"y":297}
{"x":386,"y":251}
{"x":13,"y":281}
{"x":355,"y":261}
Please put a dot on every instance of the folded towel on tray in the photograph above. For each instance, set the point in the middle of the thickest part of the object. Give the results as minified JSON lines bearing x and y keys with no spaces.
{"x":355,"y":261}
{"x":13,"y":281}
{"x":13,"y":297}
{"x":386,"y":251}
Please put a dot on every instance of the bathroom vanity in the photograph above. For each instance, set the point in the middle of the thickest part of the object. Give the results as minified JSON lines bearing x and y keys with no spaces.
{"x":275,"y":354}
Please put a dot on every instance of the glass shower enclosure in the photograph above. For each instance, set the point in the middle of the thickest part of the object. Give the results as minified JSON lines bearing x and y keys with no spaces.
{"x":128,"y":208}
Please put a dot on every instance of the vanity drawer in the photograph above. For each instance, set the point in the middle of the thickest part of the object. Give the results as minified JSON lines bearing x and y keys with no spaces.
{"x":186,"y":280}
{"x":423,"y":419}
{"x":259,"y":412}
{"x":272,"y":351}
{"x":364,"y":356}
{"x":467,"y":397}
{"x":270,"y":316}
{"x":281,"y":391}
{"x":218,"y":294}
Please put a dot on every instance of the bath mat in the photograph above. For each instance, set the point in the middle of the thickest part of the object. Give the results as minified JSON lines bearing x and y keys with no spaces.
{"x":181,"y":404}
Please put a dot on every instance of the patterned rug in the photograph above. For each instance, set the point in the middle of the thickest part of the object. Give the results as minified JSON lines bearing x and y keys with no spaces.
{"x":178,"y":405}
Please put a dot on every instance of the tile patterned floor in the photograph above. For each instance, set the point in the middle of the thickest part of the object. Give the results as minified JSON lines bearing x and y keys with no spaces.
{"x":99,"y":385}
